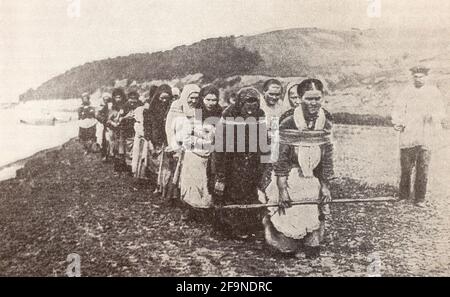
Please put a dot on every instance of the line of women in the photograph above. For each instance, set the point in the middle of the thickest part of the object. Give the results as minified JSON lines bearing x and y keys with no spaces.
{"x":214,"y":162}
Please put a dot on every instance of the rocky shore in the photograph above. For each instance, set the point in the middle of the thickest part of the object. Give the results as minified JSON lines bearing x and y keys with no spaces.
{"x":65,"y":202}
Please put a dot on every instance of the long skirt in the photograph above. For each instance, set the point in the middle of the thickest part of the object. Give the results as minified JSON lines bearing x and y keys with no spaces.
{"x":241,"y":187}
{"x":87,"y":137}
{"x":300,"y":224}
{"x":140,"y":157}
{"x":119,"y":143}
{"x":129,"y":150}
{"x":120,"y":150}
{"x":100,"y":134}
{"x":194,"y":181}
{"x":110,"y":138}
{"x":161,"y":165}
{"x":87,"y":134}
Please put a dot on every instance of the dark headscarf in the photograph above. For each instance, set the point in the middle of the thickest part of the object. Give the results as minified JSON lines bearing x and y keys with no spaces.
{"x":244,"y":94}
{"x":133,"y":93}
{"x":155,"y":116}
{"x":151,"y":92}
{"x":132,"y":104}
{"x":217,"y":110}
{"x":156,"y":104}
{"x":118,"y":92}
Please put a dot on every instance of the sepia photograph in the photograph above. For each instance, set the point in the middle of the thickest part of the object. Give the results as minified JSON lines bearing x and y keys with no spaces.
{"x":225,"y":139}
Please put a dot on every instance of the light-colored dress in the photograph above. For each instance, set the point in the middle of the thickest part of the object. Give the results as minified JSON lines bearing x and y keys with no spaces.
{"x":140,"y":146}
{"x":299,"y":221}
{"x":197,"y":143}
{"x":303,"y":186}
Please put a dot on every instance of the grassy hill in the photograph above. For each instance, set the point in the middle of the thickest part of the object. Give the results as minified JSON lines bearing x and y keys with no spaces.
{"x":363,"y":69}
{"x":218,"y":57}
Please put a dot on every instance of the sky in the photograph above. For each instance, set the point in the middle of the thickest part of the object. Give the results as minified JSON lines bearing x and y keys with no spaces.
{"x":40,"y":39}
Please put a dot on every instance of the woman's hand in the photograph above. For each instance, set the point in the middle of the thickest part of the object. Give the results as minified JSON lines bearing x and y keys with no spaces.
{"x":325,"y":194}
{"x":284,"y":201}
{"x":399,"y":128}
{"x":262,"y":196}
{"x":219,"y":187}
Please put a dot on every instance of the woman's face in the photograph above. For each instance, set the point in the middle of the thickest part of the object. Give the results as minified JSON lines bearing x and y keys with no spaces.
{"x":210,"y":101}
{"x":118,"y":98}
{"x":250,"y":106}
{"x":133,"y":97}
{"x":273,"y":94}
{"x":419,"y":80}
{"x":85,"y":100}
{"x":192,"y":100}
{"x":164,"y":97}
{"x":232,"y":99}
{"x":312,"y":100}
{"x":294,"y":98}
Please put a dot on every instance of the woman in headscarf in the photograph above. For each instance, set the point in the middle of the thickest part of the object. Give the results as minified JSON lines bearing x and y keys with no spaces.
{"x":127,"y":127}
{"x":291,"y":97}
{"x":291,"y":101}
{"x":240,"y":164}
{"x":154,"y":119}
{"x":115,"y":132}
{"x":140,"y":145}
{"x":180,"y":113}
{"x":273,"y":106}
{"x":102,"y":118}
{"x":179,"y":110}
{"x":303,"y":171}
{"x":87,"y":123}
{"x":197,"y":175}
{"x":272,"y":103}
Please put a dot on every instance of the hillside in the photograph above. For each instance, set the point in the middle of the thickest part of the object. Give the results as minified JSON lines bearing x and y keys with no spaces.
{"x":363,"y":69}
{"x":218,"y":57}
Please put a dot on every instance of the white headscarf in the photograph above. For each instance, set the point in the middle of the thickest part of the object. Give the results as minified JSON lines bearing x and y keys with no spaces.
{"x":179,"y":109}
{"x":175,"y":91}
{"x":187,"y":91}
{"x":286,"y":102}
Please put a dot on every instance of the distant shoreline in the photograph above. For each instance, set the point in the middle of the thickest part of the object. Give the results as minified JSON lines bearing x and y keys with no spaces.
{"x":19,"y":164}
{"x":339,"y":118}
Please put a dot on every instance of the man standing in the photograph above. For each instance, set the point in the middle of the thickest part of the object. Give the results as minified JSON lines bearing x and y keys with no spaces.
{"x":418,"y":115}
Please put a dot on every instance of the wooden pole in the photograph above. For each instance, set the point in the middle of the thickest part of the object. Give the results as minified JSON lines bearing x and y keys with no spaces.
{"x":337,"y":201}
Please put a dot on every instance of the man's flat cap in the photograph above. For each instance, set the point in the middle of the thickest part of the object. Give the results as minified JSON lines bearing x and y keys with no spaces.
{"x":419,"y":69}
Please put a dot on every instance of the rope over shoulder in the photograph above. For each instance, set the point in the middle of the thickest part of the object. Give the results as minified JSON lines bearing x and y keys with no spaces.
{"x":304,"y":138}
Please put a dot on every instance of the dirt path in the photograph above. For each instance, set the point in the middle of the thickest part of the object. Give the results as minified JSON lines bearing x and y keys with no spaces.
{"x":76,"y":204}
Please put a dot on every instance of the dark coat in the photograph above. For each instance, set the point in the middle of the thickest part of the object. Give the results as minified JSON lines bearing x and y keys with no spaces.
{"x":127,"y":125}
{"x":155,"y":118}
{"x":242,"y":172}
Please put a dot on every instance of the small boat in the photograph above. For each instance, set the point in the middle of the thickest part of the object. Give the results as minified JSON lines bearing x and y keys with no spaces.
{"x":39,"y":122}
